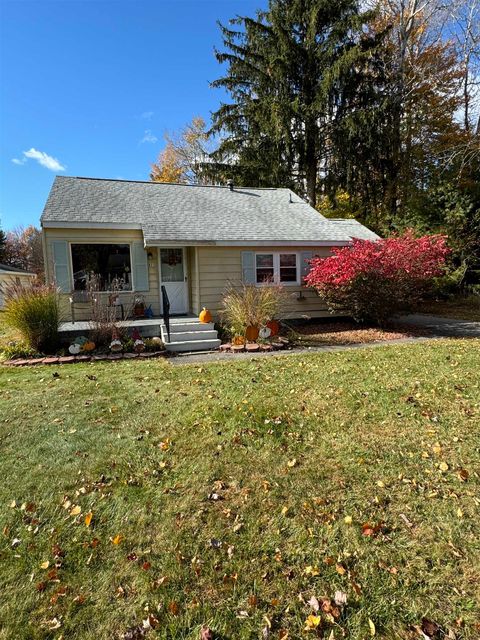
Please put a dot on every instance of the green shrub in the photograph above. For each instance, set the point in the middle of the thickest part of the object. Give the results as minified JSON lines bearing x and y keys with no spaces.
{"x":34,"y":311}
{"x":250,"y":306}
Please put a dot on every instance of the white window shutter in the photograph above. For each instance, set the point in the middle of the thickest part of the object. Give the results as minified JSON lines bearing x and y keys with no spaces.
{"x":248,"y":267}
{"x":61,"y":268}
{"x":305,"y":257}
{"x":140,"y":267}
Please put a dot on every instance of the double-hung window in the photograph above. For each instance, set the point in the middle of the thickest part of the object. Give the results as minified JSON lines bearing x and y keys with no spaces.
{"x":279,"y":268}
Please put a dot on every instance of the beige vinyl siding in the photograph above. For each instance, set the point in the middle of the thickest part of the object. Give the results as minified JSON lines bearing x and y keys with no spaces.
{"x":117,"y":236}
{"x":7,"y":279}
{"x":217,"y":266}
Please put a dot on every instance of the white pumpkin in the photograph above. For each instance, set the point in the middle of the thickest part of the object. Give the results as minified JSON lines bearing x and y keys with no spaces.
{"x":265,"y":332}
{"x":74,"y":349}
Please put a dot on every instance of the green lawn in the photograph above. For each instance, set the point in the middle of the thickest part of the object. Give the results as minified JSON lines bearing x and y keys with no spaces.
{"x":230,"y":494}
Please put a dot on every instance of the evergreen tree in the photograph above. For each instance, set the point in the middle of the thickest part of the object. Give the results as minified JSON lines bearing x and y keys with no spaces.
{"x":287,"y":71}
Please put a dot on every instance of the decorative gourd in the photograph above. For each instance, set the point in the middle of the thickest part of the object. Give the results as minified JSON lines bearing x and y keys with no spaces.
{"x":273,"y":326}
{"x":205,"y":315}
{"x":74,"y":349}
{"x":88,"y":346}
{"x":265,"y":332}
{"x":237,"y":340}
{"x":251,"y":333}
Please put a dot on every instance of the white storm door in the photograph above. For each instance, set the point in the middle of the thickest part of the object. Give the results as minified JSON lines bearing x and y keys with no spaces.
{"x":173,"y":276}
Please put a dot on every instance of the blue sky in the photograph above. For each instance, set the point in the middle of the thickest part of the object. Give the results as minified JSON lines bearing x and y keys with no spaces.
{"x":89,"y":87}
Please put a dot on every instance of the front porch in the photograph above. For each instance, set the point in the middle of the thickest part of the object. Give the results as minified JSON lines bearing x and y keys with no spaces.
{"x":148,"y":327}
{"x":187,"y":333}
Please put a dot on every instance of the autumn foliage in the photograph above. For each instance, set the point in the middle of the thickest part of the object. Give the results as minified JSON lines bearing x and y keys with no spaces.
{"x":374,"y":280}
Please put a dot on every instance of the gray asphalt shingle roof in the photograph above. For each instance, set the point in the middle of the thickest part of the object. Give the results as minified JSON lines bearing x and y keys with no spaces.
{"x":196,"y":214}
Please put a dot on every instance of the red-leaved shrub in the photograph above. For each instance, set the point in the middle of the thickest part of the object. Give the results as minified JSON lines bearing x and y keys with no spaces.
{"x":373,"y":280}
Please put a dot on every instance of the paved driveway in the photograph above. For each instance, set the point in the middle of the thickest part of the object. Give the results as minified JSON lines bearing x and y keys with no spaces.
{"x":441,"y":326}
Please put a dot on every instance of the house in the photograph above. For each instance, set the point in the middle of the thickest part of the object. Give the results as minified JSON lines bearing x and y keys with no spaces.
{"x":11,"y":275}
{"x":191,"y":239}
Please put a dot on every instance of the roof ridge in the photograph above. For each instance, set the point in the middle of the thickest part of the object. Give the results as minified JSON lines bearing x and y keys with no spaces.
{"x":176,"y":184}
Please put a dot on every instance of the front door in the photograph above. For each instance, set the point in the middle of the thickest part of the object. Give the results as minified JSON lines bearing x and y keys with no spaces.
{"x":173,"y":276}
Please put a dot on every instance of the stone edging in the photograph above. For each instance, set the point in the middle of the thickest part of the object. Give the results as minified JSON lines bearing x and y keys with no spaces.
{"x":56,"y":360}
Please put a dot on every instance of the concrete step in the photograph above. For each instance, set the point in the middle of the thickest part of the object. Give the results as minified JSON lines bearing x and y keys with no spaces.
{"x":192,"y":345}
{"x":190,"y":325}
{"x":184,"y":336}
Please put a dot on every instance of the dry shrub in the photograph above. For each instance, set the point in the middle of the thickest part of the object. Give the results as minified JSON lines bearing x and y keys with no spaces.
{"x":247,"y":305}
{"x":103,"y":315}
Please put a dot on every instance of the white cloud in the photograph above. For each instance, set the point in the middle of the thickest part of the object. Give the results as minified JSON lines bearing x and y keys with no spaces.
{"x":147,"y":115}
{"x":44,"y":159}
{"x":149,"y":137}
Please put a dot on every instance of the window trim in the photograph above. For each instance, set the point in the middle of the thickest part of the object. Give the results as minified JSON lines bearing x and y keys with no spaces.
{"x":276,"y":269}
{"x":132,"y":270}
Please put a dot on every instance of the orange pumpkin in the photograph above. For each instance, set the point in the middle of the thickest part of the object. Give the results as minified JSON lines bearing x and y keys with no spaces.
{"x":89,"y":346}
{"x":251,"y":333}
{"x":205,"y":315}
{"x":273,"y":326}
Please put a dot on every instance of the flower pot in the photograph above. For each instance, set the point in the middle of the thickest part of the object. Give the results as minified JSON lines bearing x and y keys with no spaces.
{"x":251,"y":334}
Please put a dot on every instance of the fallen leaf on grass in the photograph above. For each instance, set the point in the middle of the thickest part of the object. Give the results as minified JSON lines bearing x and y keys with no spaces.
{"x":206,"y":633}
{"x":443,"y":466}
{"x":117,"y":539}
{"x":135,"y":633}
{"x":430,"y":628}
{"x":53,"y":624}
{"x":369,"y":530}
{"x":340,"y":598}
{"x":311,"y":571}
{"x":88,"y":519}
{"x":292,"y":463}
{"x":151,"y":622}
{"x":313,"y":602}
{"x":173,"y":608}
{"x":312,"y":622}
{"x":371,"y":626}
{"x":463,"y":474}
{"x":348,"y":519}
{"x":76,"y":510}
{"x":45,"y":565}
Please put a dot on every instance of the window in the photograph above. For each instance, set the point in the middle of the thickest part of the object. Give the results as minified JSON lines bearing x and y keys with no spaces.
{"x":264,"y":264}
{"x":288,"y":267}
{"x":107,"y":261}
{"x":276,"y":267}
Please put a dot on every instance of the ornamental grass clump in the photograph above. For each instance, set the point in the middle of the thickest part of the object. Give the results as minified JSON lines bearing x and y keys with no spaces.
{"x":374,"y":280}
{"x":34,"y":311}
{"x":247,"y":305}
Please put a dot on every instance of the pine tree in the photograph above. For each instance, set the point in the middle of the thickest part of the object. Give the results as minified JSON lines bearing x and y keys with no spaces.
{"x":286,"y":72}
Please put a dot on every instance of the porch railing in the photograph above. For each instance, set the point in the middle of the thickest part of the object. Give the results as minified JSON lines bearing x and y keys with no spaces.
{"x":166,"y":310}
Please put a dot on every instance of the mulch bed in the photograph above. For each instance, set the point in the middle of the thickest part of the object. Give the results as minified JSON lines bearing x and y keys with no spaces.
{"x":346,"y":332}
{"x":19,"y":362}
